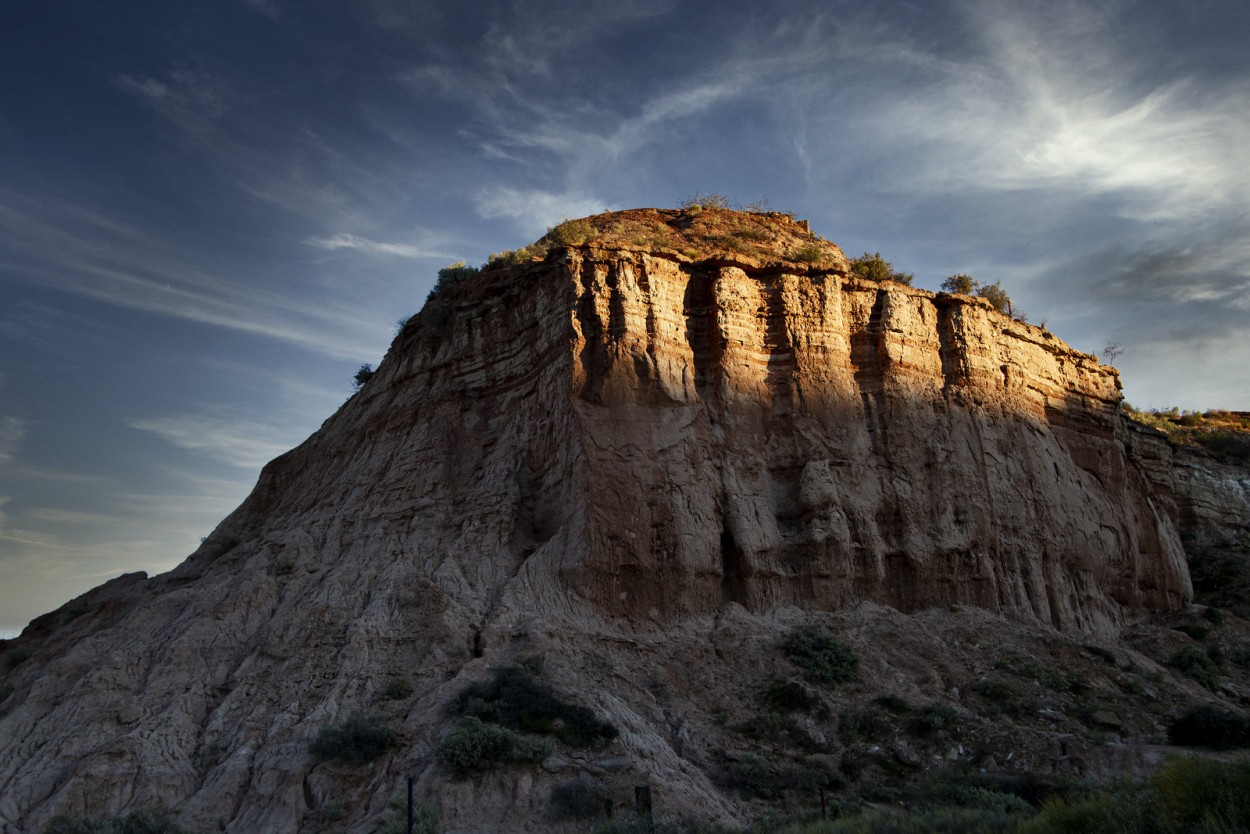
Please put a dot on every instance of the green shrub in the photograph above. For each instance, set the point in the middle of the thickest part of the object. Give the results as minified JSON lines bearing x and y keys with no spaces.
{"x":451,"y":275}
{"x":699,"y":201}
{"x":1211,"y":727}
{"x":893,"y":704}
{"x":820,"y":657}
{"x":873,"y":267}
{"x":963,"y":788}
{"x":1194,"y":662}
{"x":932,"y":821}
{"x":995,"y":690}
{"x":1125,"y":811}
{"x":752,"y":234}
{"x":397,"y":689}
{"x":512,"y":257}
{"x":779,"y":729}
{"x":755,"y":776}
{"x":363,"y":375}
{"x":1204,"y":795}
{"x":675,"y":825}
{"x":808,"y":253}
{"x":728,"y":243}
{"x":154,"y":821}
{"x":573,"y":233}
{"x":357,"y":740}
{"x":932,"y":719}
{"x":513,"y":698}
{"x":1194,"y":631}
{"x":790,"y":696}
{"x":474,"y":745}
{"x":993,"y":293}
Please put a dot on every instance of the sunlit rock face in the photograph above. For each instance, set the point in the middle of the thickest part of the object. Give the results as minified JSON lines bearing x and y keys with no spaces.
{"x":653,"y":431}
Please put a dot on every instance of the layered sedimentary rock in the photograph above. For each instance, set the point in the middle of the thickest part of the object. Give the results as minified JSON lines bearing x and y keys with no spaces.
{"x":605,"y":442}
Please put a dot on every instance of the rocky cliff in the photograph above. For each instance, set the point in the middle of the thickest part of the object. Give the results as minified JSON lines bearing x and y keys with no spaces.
{"x":643,"y":447}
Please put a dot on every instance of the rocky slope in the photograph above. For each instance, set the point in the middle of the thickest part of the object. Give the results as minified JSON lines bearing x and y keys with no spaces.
{"x":644,"y":449}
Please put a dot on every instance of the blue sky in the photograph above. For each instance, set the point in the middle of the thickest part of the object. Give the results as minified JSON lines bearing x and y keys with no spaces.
{"x":212,"y":212}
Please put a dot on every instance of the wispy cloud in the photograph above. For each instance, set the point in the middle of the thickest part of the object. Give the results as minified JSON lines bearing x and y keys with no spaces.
{"x":1047,"y":100}
{"x":194,"y":101}
{"x":12,"y":432}
{"x":346,"y":240}
{"x":73,"y":247}
{"x":533,"y":210}
{"x":70,"y":516}
{"x":269,"y":8}
{"x":238,"y":443}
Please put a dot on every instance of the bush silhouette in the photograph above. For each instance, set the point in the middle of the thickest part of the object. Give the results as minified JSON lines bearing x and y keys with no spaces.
{"x":357,"y":740}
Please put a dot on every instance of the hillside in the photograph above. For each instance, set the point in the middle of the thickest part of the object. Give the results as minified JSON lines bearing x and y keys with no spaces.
{"x":668,"y":498}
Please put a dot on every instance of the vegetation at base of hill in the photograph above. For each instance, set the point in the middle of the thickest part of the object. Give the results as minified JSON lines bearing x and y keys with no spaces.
{"x":424,"y":818}
{"x":357,"y":740}
{"x":820,"y":657}
{"x":154,"y":821}
{"x":873,"y":267}
{"x":497,"y":719}
{"x":1186,"y":795}
{"x":515,"y":699}
{"x":965,"y":284}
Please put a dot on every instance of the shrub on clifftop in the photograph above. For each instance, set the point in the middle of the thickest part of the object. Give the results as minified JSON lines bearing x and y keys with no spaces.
{"x":873,"y":267}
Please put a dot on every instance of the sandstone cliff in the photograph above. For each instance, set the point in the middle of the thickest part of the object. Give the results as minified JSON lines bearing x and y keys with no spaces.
{"x":644,"y":448}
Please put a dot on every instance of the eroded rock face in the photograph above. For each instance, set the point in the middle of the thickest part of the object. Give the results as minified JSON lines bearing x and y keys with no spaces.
{"x":781,"y":439}
{"x":609,"y":451}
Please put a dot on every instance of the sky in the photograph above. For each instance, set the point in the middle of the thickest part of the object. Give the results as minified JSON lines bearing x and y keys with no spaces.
{"x":212,"y":213}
